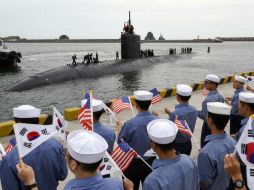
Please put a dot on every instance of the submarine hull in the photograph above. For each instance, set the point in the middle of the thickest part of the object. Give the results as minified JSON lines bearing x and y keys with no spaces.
{"x":70,"y":72}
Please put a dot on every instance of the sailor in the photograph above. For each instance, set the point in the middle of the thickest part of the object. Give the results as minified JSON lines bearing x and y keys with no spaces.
{"x":246,"y":109}
{"x":211,"y":84}
{"x":74,"y":57}
{"x":135,"y":134}
{"x":185,"y":112}
{"x":235,"y":117}
{"x":106,"y":132}
{"x":96,"y":60}
{"x":47,"y":159}
{"x":117,"y":55}
{"x":172,"y":170}
{"x":211,"y":156}
{"x":85,"y":150}
{"x":208,"y":49}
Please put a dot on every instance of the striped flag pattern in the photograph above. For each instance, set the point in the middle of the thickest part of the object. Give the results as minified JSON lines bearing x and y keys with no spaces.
{"x":123,"y":155}
{"x":10,"y":146}
{"x":156,"y":96}
{"x":85,"y":114}
{"x":204,"y":92}
{"x":183,"y":126}
{"x":121,"y":104}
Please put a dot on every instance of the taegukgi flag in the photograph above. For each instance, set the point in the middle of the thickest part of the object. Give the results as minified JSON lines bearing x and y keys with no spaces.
{"x":59,"y":123}
{"x":245,"y":149}
{"x":30,"y":136}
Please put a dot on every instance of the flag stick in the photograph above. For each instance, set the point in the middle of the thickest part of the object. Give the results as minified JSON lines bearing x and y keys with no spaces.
{"x":17,"y":141}
{"x":131,"y":107}
{"x":110,"y":110}
{"x":91,"y":106}
{"x":113,"y":162}
{"x":192,"y":135}
{"x":145,"y":162}
{"x":2,"y":149}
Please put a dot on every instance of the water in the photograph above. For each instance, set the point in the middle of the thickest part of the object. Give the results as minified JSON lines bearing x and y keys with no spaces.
{"x":225,"y":59}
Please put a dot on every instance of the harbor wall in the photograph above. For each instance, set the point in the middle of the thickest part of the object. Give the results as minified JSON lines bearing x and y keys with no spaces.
{"x":70,"y":114}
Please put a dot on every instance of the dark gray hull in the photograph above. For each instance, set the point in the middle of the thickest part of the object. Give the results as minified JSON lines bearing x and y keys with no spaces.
{"x":67,"y":73}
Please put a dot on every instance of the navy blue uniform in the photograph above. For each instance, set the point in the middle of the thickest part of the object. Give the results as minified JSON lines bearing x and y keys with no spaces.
{"x":179,"y":173}
{"x":186,"y":112}
{"x":211,"y":161}
{"x":134,"y":132}
{"x":94,"y":183}
{"x":107,"y":133}
{"x":48,"y":163}
{"x":235,"y":117}
{"x":213,"y":96}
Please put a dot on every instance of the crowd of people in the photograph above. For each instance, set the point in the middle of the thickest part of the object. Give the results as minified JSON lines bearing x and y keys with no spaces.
{"x":88,"y":58}
{"x":217,"y":167}
{"x":146,"y":53}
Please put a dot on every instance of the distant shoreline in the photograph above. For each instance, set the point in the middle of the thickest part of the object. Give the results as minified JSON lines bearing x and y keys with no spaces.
{"x":110,"y":41}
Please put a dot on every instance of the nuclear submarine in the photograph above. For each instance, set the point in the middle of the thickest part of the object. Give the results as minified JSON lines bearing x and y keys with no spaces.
{"x":130,"y":61}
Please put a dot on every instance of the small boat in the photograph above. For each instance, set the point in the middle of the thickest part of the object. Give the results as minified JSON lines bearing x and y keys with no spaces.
{"x":8,"y":59}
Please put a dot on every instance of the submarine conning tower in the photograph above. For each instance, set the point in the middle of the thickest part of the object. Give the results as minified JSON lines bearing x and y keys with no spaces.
{"x":130,"y":42}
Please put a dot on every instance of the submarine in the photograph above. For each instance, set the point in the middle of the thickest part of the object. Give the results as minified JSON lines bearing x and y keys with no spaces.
{"x":131,"y":60}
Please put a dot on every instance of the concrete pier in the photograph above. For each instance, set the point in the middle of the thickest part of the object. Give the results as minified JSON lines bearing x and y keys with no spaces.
{"x":170,"y":102}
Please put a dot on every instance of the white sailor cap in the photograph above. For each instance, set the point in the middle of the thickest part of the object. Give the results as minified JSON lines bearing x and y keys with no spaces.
{"x":241,"y":79}
{"x":247,"y":97}
{"x":213,"y":78}
{"x":218,"y":108}
{"x":26,"y":111}
{"x":143,"y":95}
{"x":86,"y":146}
{"x":162,"y":131}
{"x":97,"y":105}
{"x":183,"y":90}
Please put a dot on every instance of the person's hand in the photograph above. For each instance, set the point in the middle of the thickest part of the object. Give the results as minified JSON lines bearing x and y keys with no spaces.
{"x":167,"y":110}
{"x":128,"y":184}
{"x":232,"y":167}
{"x":25,"y":173}
{"x":155,"y":113}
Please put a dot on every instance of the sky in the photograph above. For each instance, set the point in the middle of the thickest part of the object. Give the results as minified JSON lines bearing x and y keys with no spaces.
{"x":100,"y":19}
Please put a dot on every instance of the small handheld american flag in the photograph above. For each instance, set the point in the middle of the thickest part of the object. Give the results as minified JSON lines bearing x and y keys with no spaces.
{"x":183,"y":126}
{"x":11,"y":145}
{"x":204,"y":92}
{"x":156,"y":96}
{"x":123,"y":155}
{"x":85,"y":116}
{"x":121,"y":104}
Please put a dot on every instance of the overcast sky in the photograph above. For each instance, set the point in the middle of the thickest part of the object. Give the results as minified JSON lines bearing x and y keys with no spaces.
{"x":175,"y":19}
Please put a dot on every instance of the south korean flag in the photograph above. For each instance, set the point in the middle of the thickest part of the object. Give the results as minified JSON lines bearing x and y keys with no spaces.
{"x":59,"y":123}
{"x":245,"y":149}
{"x":2,"y":152}
{"x":30,"y":136}
{"x":109,"y":167}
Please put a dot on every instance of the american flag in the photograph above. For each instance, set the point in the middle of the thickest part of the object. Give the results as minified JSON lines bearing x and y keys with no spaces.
{"x":11,"y":145}
{"x":123,"y":155}
{"x":119,"y":105}
{"x":183,"y":126}
{"x":204,"y":92}
{"x":85,"y":116}
{"x":156,"y":96}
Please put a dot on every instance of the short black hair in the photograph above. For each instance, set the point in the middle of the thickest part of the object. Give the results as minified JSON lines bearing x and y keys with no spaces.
{"x":97,"y":114}
{"x":184,"y":98}
{"x":33,"y":120}
{"x":166,"y":147}
{"x":144,"y":105}
{"x":220,"y":121}
{"x":250,"y":105}
{"x":86,"y":167}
